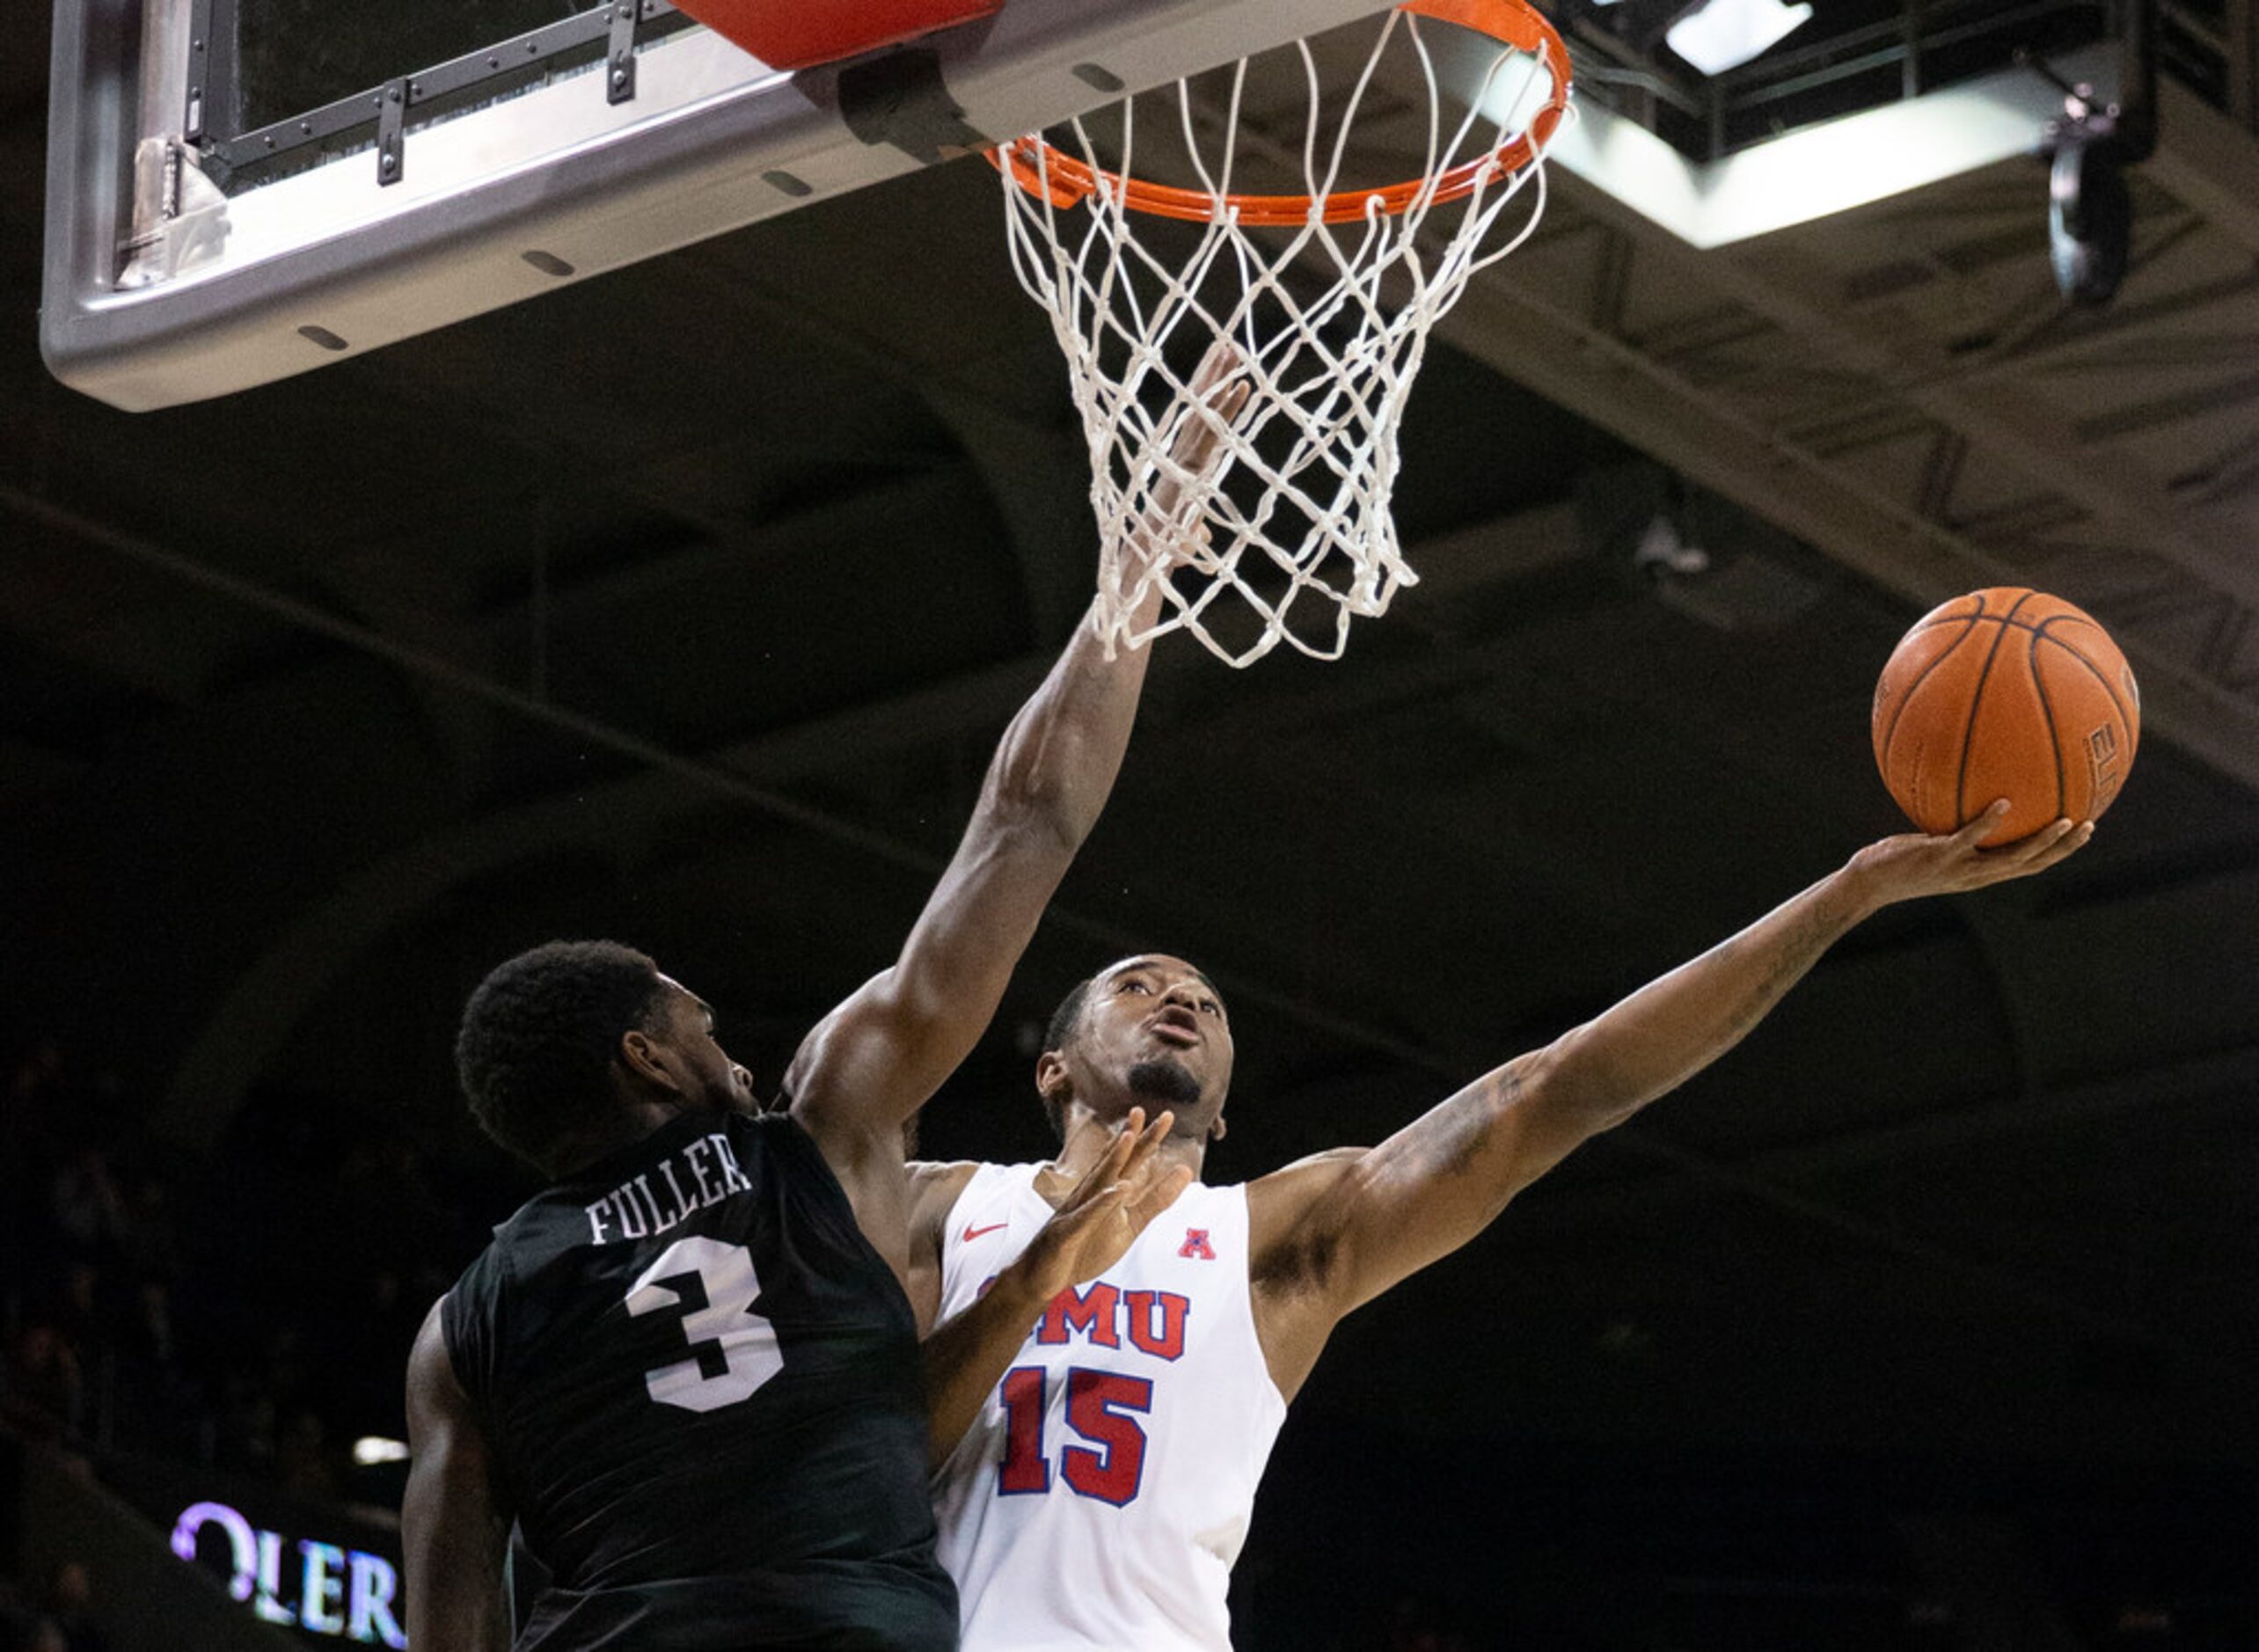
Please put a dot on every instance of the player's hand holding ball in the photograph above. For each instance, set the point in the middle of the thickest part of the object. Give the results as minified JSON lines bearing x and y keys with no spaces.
{"x":2005,"y":693}
{"x":2004,"y":725}
{"x":1911,"y":865}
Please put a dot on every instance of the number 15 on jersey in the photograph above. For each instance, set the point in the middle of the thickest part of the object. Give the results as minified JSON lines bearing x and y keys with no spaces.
{"x":1102,"y":1409}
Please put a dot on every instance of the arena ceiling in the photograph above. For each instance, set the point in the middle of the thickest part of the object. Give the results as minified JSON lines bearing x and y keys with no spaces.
{"x":685,"y":606}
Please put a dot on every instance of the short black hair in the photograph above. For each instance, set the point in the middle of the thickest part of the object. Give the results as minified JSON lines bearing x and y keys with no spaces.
{"x":1056,"y":1031}
{"x":539,"y":1036}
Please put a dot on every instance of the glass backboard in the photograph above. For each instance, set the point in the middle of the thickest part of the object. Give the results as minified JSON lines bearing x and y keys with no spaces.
{"x":241,"y":190}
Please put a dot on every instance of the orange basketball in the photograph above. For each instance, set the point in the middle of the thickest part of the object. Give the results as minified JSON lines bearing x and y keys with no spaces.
{"x":2005,"y":693}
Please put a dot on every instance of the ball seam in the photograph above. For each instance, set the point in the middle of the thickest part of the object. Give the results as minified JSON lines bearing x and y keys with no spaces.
{"x":2054,"y":735}
{"x":2101,"y":675}
{"x":1907,"y":696}
{"x":1976,"y":704}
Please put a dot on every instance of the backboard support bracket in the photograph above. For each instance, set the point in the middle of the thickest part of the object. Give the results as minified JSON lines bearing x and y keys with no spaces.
{"x":619,"y":52}
{"x":200,"y":58}
{"x":392,"y":132}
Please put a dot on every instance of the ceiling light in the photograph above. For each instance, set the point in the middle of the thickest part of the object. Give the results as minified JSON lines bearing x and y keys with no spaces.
{"x":1726,"y":33}
{"x":371,"y":1449}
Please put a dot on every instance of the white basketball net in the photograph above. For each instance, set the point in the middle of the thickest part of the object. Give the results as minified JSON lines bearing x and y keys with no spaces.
{"x":1330,"y":323}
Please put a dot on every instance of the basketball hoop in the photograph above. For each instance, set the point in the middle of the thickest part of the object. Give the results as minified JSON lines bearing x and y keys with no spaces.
{"x":1325,"y":296}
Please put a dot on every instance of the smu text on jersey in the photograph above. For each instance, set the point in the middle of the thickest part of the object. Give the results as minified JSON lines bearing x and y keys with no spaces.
{"x":1107,"y":1316}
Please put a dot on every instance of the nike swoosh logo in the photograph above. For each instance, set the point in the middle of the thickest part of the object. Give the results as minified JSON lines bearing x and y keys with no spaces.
{"x":972,"y":1232}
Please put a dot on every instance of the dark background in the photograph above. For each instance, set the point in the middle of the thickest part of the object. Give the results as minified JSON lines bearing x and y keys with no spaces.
{"x":685,"y":606}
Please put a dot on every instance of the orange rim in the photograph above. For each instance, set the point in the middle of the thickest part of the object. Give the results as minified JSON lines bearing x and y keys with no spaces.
{"x":1042,"y":169}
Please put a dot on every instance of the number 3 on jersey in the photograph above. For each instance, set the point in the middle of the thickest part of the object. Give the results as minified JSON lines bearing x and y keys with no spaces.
{"x":746,"y":1339}
{"x":1099,"y":1407}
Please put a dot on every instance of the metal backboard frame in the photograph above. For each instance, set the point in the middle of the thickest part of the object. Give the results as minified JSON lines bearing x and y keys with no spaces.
{"x":162,"y":289}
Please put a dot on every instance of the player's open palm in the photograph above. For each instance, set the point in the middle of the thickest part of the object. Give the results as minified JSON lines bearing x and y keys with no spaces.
{"x":1212,"y":403}
{"x":1911,"y":865}
{"x":1098,"y":1222}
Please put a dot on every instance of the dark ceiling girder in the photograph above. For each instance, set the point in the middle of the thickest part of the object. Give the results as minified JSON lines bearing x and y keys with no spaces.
{"x":1527,"y":333}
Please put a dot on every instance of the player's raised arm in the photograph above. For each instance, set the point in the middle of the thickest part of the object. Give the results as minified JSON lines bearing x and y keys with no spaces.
{"x":1334,"y":1232}
{"x":876,"y":1058}
{"x":455,"y":1527}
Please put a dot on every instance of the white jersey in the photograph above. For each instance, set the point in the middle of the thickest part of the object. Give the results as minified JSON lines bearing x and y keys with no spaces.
{"x":1103,"y":1495}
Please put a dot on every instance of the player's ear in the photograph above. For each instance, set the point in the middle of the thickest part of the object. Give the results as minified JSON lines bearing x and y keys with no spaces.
{"x":1051,"y":1080}
{"x":644,"y":1061}
{"x":1216,"y":1131}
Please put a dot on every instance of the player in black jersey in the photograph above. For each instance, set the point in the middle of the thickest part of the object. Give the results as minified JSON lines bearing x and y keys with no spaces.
{"x":687,"y":1369}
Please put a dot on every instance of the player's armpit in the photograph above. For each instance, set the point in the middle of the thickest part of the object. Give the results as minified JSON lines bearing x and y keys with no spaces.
{"x":1278,"y":1203}
{"x":1331,"y":1233}
{"x":455,"y":1527}
{"x":1292,"y":1262}
{"x":1387,"y":1212}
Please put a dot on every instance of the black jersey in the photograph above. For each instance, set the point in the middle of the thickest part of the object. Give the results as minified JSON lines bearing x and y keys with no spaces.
{"x":702,"y":1391}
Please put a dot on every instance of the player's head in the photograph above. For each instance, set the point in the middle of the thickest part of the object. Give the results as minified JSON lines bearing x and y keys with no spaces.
{"x":558,"y":1044}
{"x":1149,"y":1031}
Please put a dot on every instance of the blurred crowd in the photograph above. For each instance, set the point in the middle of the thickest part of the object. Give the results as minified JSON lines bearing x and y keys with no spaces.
{"x":57,"y":1616}
{"x":247,"y":1308}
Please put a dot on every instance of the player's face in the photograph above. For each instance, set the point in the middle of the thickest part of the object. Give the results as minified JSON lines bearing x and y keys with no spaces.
{"x":718,"y":1081}
{"x":1155,"y":1026}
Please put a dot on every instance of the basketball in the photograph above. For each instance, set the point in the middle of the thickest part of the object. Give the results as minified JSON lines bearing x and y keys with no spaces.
{"x":2005,"y":693}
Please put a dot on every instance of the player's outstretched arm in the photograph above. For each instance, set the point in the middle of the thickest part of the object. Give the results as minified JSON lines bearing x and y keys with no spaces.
{"x":1343,"y":1229}
{"x":876,"y":1058}
{"x":455,"y":1528}
{"x":967,"y":1356}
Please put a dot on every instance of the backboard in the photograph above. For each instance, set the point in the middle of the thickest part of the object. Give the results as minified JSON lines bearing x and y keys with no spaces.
{"x":242,"y":190}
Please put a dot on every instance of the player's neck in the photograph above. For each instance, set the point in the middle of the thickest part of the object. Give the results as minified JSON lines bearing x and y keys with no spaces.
{"x":1183,"y":1150}
{"x":1088,"y":1137}
{"x":623,"y":1130}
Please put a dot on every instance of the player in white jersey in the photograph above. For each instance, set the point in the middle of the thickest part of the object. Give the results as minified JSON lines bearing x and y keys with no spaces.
{"x":1107,"y":1469}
